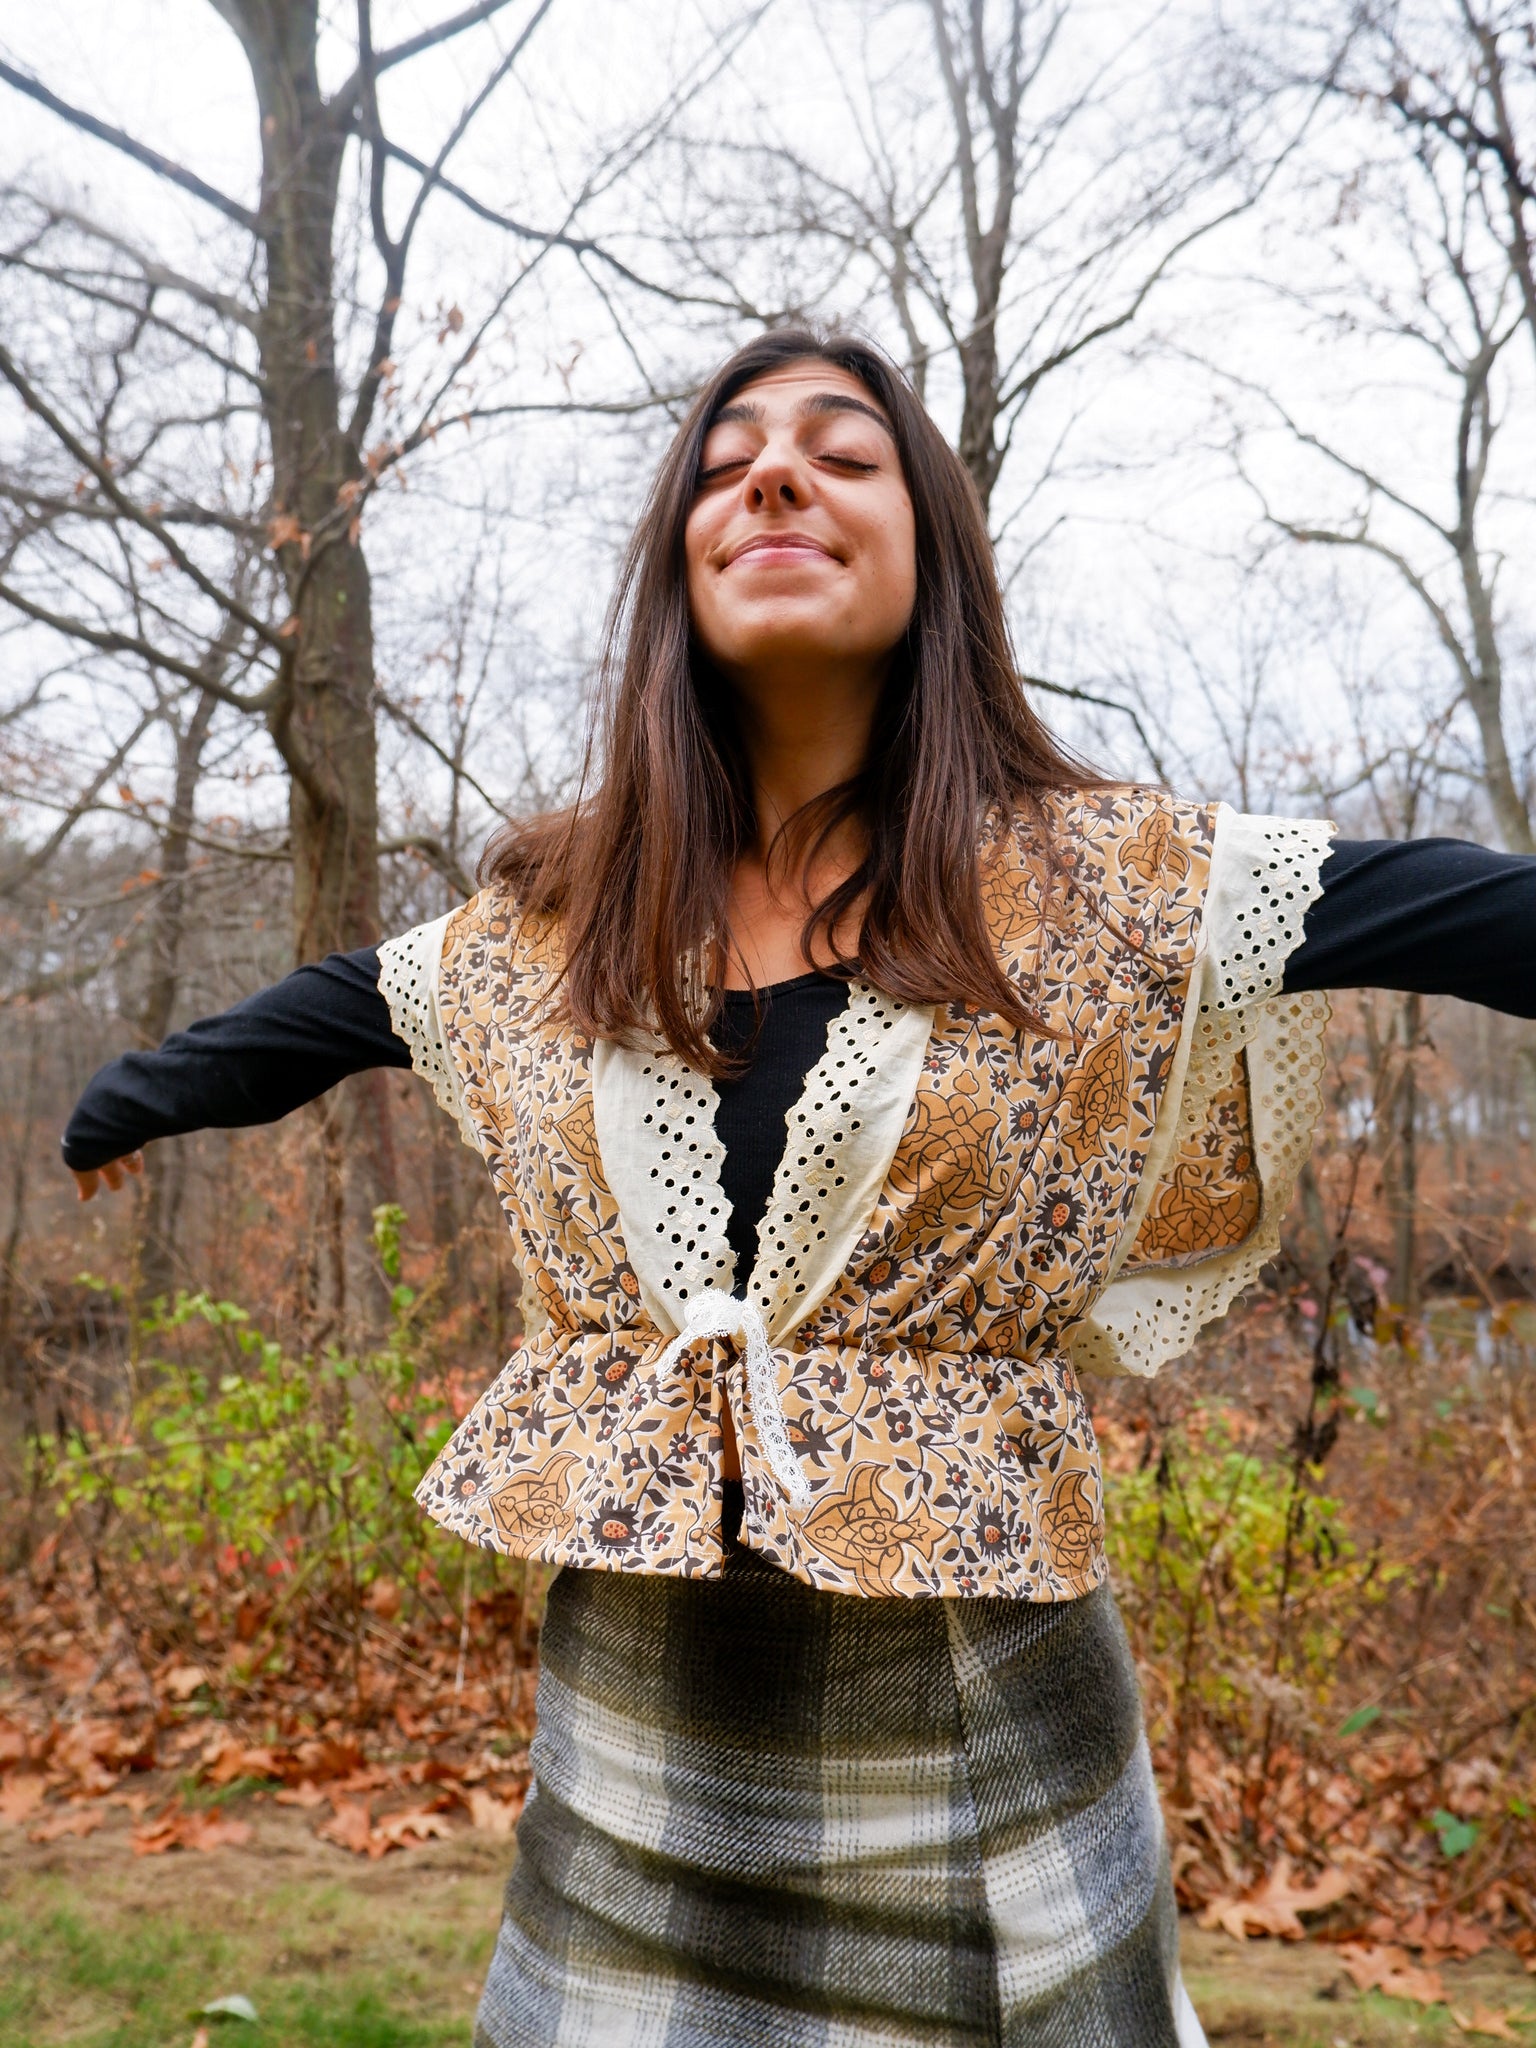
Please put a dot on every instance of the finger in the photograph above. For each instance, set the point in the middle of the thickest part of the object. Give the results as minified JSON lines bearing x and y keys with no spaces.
{"x":134,"y":1161}
{"x":86,"y":1184}
{"x":112,"y":1174}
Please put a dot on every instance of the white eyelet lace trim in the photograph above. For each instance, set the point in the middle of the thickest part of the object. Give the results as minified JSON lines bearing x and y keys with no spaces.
{"x":1264,"y":874}
{"x":408,"y":971}
{"x":842,"y":1135}
{"x":662,"y":1159}
{"x":686,"y":1157}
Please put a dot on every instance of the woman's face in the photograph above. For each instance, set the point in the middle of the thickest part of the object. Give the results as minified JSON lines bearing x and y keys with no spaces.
{"x":801,"y":546}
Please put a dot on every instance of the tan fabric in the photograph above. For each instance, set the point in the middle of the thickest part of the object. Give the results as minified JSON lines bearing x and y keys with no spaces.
{"x":926,"y":1382}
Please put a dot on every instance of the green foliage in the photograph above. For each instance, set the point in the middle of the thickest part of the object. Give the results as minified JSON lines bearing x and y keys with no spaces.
{"x":1238,"y":1575}
{"x":1457,"y":1836}
{"x":1360,"y":1720}
{"x":322,"y":1962}
{"x":292,"y":1471}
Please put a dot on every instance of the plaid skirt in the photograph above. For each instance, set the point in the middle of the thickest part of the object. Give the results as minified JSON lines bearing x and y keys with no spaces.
{"x":767,"y":1816}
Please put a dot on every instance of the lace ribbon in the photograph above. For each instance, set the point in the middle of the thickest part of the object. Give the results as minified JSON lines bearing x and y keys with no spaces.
{"x":714,"y":1313}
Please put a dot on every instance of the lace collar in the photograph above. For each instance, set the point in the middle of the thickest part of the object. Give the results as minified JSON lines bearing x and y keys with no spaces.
{"x":661,"y":1157}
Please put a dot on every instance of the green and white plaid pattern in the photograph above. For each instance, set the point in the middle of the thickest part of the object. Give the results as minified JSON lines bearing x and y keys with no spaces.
{"x":768,"y":1816}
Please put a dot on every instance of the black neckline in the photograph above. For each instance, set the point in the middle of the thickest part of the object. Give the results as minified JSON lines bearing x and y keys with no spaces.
{"x":779,"y":988}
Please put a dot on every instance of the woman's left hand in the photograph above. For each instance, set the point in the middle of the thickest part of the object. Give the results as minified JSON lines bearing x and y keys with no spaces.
{"x":114,"y":1173}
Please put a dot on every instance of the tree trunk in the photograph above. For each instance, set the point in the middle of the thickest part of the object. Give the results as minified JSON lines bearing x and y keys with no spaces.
{"x":977,"y":445}
{"x":1395,"y":1112}
{"x":323,"y":725}
{"x":13,"y":1365}
{"x":157,"y":1196}
{"x":1405,"y":1208}
{"x":1484,"y":691}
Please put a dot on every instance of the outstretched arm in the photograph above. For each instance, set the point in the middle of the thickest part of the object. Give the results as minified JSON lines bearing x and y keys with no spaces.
{"x":249,"y":1065}
{"x":1438,"y":917}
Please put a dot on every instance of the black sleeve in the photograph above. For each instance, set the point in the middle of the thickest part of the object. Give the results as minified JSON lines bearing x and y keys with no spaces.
{"x":1437,"y":916}
{"x":251,"y":1065}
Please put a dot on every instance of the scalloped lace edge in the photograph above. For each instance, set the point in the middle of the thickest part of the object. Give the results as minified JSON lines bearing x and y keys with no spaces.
{"x":855,"y":1038}
{"x":635,"y":1091}
{"x":408,"y":970}
{"x":1265,"y":872}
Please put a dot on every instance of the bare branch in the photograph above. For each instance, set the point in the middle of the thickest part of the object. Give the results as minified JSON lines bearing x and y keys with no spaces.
{"x":396,"y":250}
{"x":35,"y":403}
{"x":403,"y":718}
{"x":436,"y":856}
{"x":346,"y":97}
{"x":109,"y":641}
{"x":23,"y":870}
{"x":141,"y":153}
{"x":1079,"y":696}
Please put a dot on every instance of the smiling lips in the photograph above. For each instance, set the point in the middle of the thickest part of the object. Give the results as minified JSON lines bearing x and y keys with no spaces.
{"x":780,"y":544}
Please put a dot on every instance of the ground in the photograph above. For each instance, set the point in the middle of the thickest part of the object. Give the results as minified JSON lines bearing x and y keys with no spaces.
{"x":103,"y":1949}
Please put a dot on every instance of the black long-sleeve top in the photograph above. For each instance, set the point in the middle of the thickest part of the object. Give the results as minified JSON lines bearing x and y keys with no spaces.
{"x":1436,"y":916}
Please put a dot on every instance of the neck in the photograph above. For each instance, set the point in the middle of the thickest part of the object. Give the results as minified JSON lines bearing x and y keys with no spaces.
{"x":804,"y":733}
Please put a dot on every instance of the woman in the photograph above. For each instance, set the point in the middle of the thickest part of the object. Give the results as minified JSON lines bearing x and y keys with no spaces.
{"x":853,"y":1067}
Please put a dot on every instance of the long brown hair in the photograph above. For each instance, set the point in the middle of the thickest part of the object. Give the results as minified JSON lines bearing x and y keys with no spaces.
{"x":639,"y":868}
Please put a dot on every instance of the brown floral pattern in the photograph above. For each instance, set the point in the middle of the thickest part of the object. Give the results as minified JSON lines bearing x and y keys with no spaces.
{"x":929,"y":1399}
{"x":1209,"y":1198}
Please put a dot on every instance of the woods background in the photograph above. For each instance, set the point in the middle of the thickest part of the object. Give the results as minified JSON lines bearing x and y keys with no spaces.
{"x":336,"y":346}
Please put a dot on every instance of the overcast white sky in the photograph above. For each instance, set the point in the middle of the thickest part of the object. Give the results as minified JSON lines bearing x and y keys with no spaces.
{"x":1129,"y":551}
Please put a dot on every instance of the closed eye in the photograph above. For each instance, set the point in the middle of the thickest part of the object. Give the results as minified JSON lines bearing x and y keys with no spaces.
{"x":854,"y":463}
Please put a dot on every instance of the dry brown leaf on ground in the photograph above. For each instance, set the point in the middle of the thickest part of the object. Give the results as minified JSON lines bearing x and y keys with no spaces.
{"x":1449,"y":1934}
{"x":418,"y":1824}
{"x":228,"y":1758}
{"x":84,"y":1743}
{"x":1274,"y":1904}
{"x":324,"y":1758}
{"x":182,"y":1680}
{"x":383,"y":1598}
{"x":305,"y":1793}
{"x":1482,"y":2019}
{"x":137,"y":1803}
{"x":21,"y":1796}
{"x":351,"y":1827}
{"x":176,"y":1828}
{"x":1392,"y":1970}
{"x":493,"y":1816}
{"x":13,"y":1744}
{"x":67,"y":1820}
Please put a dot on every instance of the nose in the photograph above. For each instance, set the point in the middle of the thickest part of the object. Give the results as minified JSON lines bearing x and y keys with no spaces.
{"x":777,"y":478}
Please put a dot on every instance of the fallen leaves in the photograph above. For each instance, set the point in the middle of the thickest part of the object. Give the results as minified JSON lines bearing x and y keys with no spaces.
{"x":493,"y":1816}
{"x":1275,"y":1904}
{"x":21,"y":1796}
{"x":1482,"y":2019}
{"x":182,"y":1680}
{"x":67,"y":1820}
{"x":227,"y":1759}
{"x":351,"y":1827}
{"x":181,"y":1828}
{"x":1391,"y":1969}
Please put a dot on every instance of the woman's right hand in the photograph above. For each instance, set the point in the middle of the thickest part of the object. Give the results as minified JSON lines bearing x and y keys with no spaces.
{"x":114,"y":1173}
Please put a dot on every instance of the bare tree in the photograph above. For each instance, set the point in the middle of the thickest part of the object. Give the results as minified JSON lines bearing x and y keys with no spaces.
{"x":302,"y":649}
{"x":1468,"y":79}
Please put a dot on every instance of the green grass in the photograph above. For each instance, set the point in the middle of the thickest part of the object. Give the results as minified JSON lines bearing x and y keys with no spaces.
{"x":1269,"y":1993}
{"x":105,"y":1952}
{"x":322,"y":1963}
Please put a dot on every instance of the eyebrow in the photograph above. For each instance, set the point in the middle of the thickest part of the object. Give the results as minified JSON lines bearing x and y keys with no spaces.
{"x":748,"y":413}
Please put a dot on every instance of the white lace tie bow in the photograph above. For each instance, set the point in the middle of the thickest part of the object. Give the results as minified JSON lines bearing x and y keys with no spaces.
{"x":714,"y":1313}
